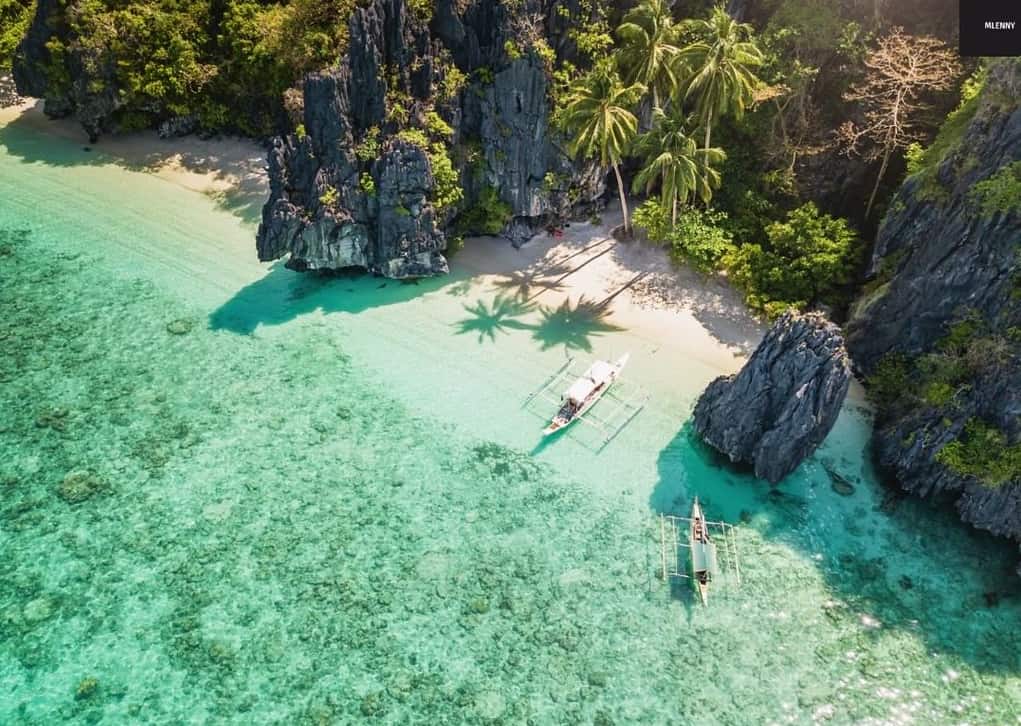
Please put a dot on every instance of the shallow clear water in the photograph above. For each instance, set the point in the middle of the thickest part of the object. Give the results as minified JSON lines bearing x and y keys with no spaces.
{"x":236,"y":494}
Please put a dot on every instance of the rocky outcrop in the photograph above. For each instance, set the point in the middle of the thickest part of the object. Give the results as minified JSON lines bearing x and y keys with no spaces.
{"x":780,"y":406}
{"x":946,"y":290}
{"x":87,"y":87}
{"x":473,"y":80}
{"x":355,"y":189}
{"x":8,"y":92}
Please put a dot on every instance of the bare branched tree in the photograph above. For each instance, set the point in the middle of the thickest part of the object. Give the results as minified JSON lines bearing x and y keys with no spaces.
{"x":901,"y":72}
{"x":796,"y":129}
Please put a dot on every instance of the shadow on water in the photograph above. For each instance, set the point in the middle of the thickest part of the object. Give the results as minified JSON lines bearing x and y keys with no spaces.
{"x":283,"y":295}
{"x":910,"y":564}
{"x":243,"y":176}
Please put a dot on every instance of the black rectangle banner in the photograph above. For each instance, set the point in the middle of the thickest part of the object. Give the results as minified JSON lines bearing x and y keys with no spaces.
{"x":990,"y":27}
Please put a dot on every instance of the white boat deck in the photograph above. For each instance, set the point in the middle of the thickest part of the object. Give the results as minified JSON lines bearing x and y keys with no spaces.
{"x":614,"y":410}
{"x":675,"y":549}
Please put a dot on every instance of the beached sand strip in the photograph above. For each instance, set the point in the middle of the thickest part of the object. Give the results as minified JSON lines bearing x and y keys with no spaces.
{"x":229,"y":169}
{"x":632,"y":285}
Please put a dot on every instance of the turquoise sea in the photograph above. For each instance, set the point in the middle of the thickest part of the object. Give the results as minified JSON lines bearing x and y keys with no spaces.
{"x":235,"y":494}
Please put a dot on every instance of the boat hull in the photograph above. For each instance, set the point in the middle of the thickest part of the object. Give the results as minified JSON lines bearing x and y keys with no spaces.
{"x":698,"y":537}
{"x":561,"y":422}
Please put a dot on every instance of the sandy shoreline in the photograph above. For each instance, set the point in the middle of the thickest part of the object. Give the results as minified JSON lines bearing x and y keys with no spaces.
{"x":631,"y":285}
{"x":231,"y":170}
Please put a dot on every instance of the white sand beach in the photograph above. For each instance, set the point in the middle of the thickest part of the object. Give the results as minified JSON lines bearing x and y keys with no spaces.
{"x":229,"y":169}
{"x":676,"y":311}
{"x":633,"y":283}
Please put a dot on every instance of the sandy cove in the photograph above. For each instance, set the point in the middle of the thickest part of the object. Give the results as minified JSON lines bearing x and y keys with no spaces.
{"x":230,"y":170}
{"x":632,"y":285}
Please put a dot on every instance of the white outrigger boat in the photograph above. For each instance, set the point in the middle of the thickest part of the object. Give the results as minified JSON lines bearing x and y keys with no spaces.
{"x":585,"y":391}
{"x":703,"y":553}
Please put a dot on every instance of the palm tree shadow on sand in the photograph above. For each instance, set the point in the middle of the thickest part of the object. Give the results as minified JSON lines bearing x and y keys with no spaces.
{"x":527,"y":284}
{"x":897,"y":583}
{"x":573,"y":326}
{"x":500,"y":316}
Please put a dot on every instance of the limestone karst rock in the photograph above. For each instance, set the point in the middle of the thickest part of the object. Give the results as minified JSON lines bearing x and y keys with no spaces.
{"x":780,"y":406}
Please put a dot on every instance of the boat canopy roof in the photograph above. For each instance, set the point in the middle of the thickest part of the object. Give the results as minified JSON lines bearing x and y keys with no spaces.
{"x":703,"y":557}
{"x":599,"y":372}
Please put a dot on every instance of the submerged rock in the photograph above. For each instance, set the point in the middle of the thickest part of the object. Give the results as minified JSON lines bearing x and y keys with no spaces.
{"x":37,"y":610}
{"x":78,"y":486}
{"x":838,"y":482}
{"x":87,"y":688}
{"x":780,"y":406}
{"x":181,"y":326}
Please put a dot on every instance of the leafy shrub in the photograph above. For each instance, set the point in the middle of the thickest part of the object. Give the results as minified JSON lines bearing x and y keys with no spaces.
{"x":422,"y":10}
{"x":489,"y":215}
{"x":15,"y":15}
{"x":329,"y":197}
{"x":512,"y":50}
{"x":437,"y":127}
{"x":447,"y":190}
{"x":984,"y":454}
{"x":890,"y":381}
{"x":453,"y":82}
{"x":806,"y":259}
{"x":368,"y":148}
{"x":914,"y":156}
{"x":1000,"y":193}
{"x":367,"y":184}
{"x":699,"y":237}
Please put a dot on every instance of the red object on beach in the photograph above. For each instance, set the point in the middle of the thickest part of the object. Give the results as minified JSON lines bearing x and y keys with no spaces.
{"x":557,"y":233}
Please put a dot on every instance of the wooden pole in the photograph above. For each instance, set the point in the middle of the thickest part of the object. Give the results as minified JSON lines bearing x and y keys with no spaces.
{"x":737,"y":560}
{"x":662,"y":544}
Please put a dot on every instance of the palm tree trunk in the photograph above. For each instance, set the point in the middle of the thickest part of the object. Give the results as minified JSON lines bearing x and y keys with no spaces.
{"x":708,"y":130}
{"x":673,"y":213}
{"x":879,"y":178}
{"x":623,"y":199}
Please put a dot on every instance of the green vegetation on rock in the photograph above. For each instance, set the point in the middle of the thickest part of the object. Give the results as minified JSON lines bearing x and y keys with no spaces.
{"x":15,"y":16}
{"x":447,"y":191}
{"x":1000,"y":193}
{"x":227,"y":65}
{"x":489,"y":215}
{"x":984,"y":454}
{"x":903,"y":383}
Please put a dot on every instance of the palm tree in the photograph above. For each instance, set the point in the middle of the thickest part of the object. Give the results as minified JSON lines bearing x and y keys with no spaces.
{"x":674,"y":161}
{"x":717,"y":68}
{"x":649,"y":48}
{"x":597,"y":112}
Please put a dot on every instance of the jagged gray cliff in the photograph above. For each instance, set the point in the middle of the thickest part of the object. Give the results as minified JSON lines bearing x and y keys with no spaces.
{"x":783,"y":402}
{"x":941,"y":323}
{"x":330,"y":207}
